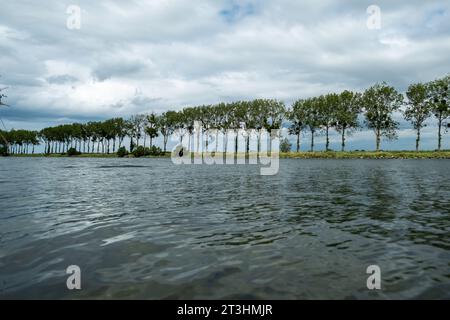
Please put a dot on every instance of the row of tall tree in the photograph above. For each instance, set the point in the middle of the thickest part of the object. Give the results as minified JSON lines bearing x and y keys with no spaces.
{"x":377,"y":105}
{"x":344,"y":112}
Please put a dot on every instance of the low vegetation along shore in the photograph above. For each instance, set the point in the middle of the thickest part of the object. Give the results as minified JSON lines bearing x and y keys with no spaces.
{"x":445,"y":154}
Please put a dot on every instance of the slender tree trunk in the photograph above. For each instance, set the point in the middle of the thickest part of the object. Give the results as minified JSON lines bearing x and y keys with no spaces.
{"x":378,"y":138}
{"x":32,"y":152}
{"x":151,"y":141}
{"x":440,"y":132}
{"x":259,"y":142}
{"x":247,"y":145}
{"x":165,"y":143}
{"x":418,"y":139}
{"x":217,"y":140}
{"x":298,"y":142}
{"x":343,"y":140}
{"x":312,"y":140}
{"x":114,"y":145}
{"x":225,"y":142}
{"x":327,"y":144}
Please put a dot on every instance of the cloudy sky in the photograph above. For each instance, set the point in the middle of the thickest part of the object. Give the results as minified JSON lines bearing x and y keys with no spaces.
{"x":140,"y":56}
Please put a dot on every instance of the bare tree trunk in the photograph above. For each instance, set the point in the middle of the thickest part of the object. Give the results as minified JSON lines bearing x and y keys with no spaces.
{"x":198,"y":141}
{"x":440,"y":132}
{"x":247,"y":145}
{"x":259,"y":142}
{"x":418,"y":139}
{"x":217,"y":140}
{"x":327,"y":144}
{"x":298,"y":142}
{"x":377,"y":133}
{"x":312,"y":139}
{"x":165,"y":143}
{"x":225,"y":142}
{"x":343,"y":140}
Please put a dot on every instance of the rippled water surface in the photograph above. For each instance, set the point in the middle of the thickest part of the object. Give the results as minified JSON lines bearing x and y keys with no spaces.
{"x":145,"y":228}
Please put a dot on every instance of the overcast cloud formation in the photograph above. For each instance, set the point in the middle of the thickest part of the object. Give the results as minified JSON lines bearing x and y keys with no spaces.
{"x":154,"y":55}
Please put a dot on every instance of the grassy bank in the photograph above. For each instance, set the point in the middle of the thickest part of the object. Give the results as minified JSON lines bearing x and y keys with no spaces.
{"x":296,"y":155}
{"x":84,"y":155}
{"x":368,"y":155}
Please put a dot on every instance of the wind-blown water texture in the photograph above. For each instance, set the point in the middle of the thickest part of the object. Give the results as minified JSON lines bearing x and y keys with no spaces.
{"x":145,"y":228}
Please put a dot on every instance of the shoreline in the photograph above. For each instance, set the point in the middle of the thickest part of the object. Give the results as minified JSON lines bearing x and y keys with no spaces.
{"x":445,"y":154}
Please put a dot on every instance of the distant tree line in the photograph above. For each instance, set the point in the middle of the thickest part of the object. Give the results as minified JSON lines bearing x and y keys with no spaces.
{"x":335,"y":111}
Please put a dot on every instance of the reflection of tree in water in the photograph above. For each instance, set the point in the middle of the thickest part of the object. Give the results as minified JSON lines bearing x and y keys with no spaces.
{"x":323,"y":194}
{"x":430,"y":212}
{"x":383,"y":196}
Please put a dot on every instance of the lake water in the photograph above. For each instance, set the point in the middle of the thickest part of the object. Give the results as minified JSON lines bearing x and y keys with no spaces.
{"x":145,"y":228}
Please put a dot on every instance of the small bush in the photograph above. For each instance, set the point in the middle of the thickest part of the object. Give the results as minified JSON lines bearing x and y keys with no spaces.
{"x":3,"y":151}
{"x":139,"y":152}
{"x":155,"y":151}
{"x":122,"y":152}
{"x":147,"y":151}
{"x":73,"y":152}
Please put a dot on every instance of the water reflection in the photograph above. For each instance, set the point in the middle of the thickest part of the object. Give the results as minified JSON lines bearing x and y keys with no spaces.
{"x":143,"y":228}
